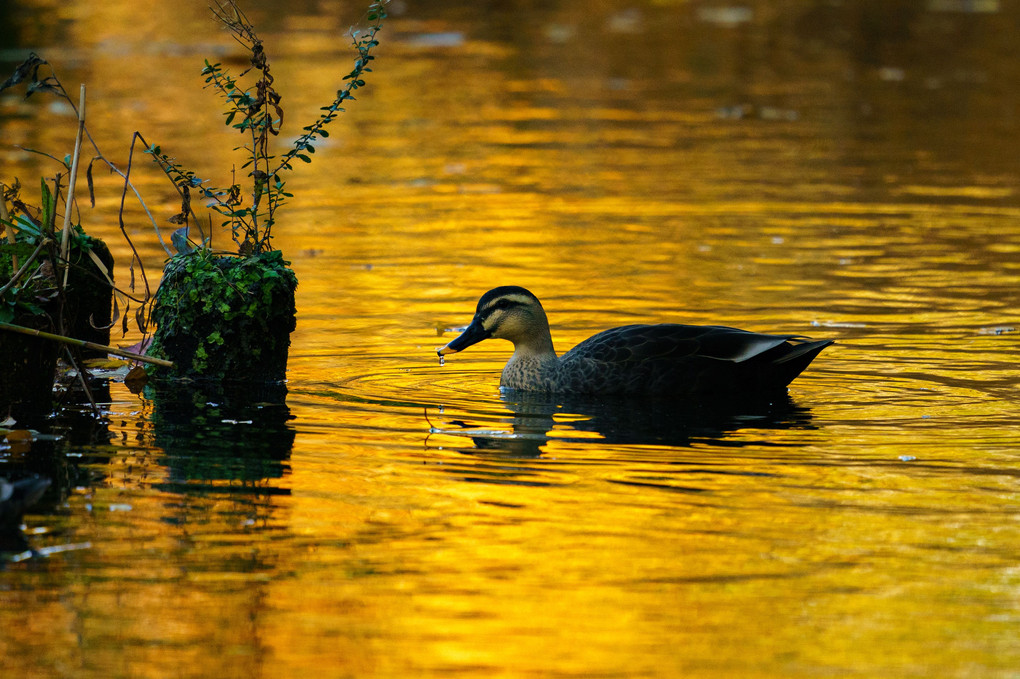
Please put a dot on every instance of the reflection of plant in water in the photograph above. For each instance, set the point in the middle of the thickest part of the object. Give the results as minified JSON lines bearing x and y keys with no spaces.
{"x":256,"y":112}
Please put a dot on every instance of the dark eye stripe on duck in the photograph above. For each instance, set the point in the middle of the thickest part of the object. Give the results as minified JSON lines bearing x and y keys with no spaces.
{"x":491,"y":316}
{"x":506,"y":303}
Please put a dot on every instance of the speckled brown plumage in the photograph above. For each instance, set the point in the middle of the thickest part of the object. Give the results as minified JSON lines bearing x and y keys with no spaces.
{"x":669,"y":359}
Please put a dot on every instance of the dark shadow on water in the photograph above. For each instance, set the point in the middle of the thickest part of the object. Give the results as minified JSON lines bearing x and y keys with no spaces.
{"x":212,"y":433}
{"x":617,"y":421}
{"x":233,"y":441}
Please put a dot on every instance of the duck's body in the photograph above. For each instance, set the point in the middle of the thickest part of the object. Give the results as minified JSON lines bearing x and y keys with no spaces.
{"x":16,"y":497}
{"x":683,"y":361}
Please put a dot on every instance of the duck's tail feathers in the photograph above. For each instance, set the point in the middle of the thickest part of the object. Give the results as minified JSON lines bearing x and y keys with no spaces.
{"x":796,"y":358}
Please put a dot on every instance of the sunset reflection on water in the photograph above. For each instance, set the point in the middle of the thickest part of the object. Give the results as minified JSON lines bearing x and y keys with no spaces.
{"x":841,"y":171}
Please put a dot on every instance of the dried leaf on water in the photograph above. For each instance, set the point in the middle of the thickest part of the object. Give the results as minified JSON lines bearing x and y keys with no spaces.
{"x":136,"y":379}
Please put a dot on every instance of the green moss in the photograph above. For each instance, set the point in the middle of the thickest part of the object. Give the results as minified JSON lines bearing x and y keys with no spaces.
{"x":89,"y":295}
{"x":225,"y":318}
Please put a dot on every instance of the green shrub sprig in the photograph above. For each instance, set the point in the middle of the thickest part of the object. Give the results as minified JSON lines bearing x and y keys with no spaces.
{"x":255,"y":111}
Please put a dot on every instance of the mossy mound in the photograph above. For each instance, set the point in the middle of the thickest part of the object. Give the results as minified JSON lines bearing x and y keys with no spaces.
{"x":225,"y":318}
{"x":88,"y":296}
{"x":28,"y":364}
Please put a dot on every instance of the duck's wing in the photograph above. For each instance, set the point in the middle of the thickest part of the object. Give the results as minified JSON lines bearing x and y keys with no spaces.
{"x":679,"y":359}
{"x":636,"y":343}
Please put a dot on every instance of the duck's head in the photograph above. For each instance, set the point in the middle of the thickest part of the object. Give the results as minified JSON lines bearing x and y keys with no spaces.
{"x":508,"y":312}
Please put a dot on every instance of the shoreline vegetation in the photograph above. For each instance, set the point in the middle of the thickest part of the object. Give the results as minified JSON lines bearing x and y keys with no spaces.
{"x":244,"y":296}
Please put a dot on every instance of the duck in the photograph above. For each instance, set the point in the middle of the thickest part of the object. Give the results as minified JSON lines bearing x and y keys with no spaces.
{"x":711,"y":362}
{"x":16,"y":497}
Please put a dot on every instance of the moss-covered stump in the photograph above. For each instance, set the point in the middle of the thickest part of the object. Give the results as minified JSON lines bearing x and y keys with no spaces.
{"x":28,"y":367}
{"x":27,"y":364}
{"x":225,"y":318}
{"x":89,"y":294}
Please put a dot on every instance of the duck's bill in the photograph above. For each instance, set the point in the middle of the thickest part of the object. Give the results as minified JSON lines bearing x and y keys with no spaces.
{"x":473,"y":334}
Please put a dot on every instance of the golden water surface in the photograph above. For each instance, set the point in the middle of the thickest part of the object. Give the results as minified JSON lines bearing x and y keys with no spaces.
{"x":839,"y":170}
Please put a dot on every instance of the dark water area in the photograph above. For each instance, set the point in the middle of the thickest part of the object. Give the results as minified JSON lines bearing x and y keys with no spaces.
{"x":840,"y":170}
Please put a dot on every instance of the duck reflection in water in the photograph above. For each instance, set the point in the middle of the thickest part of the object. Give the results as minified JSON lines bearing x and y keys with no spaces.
{"x":646,"y":384}
{"x":624,"y":422}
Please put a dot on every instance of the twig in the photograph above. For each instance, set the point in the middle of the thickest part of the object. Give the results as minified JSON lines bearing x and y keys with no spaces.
{"x":364,"y":46}
{"x":81,"y":378}
{"x":163,"y":165}
{"x":65,"y":239}
{"x":83,"y":344}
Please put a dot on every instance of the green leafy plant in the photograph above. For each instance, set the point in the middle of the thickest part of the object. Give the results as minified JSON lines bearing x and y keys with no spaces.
{"x":46,"y":287}
{"x":37,"y":224}
{"x":30,"y":251}
{"x":255,"y":111}
{"x":241,"y":305}
{"x":225,"y":317}
{"x":27,"y":255}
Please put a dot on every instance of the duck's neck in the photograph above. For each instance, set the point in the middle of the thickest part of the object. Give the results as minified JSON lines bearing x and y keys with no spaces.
{"x":533,"y":365}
